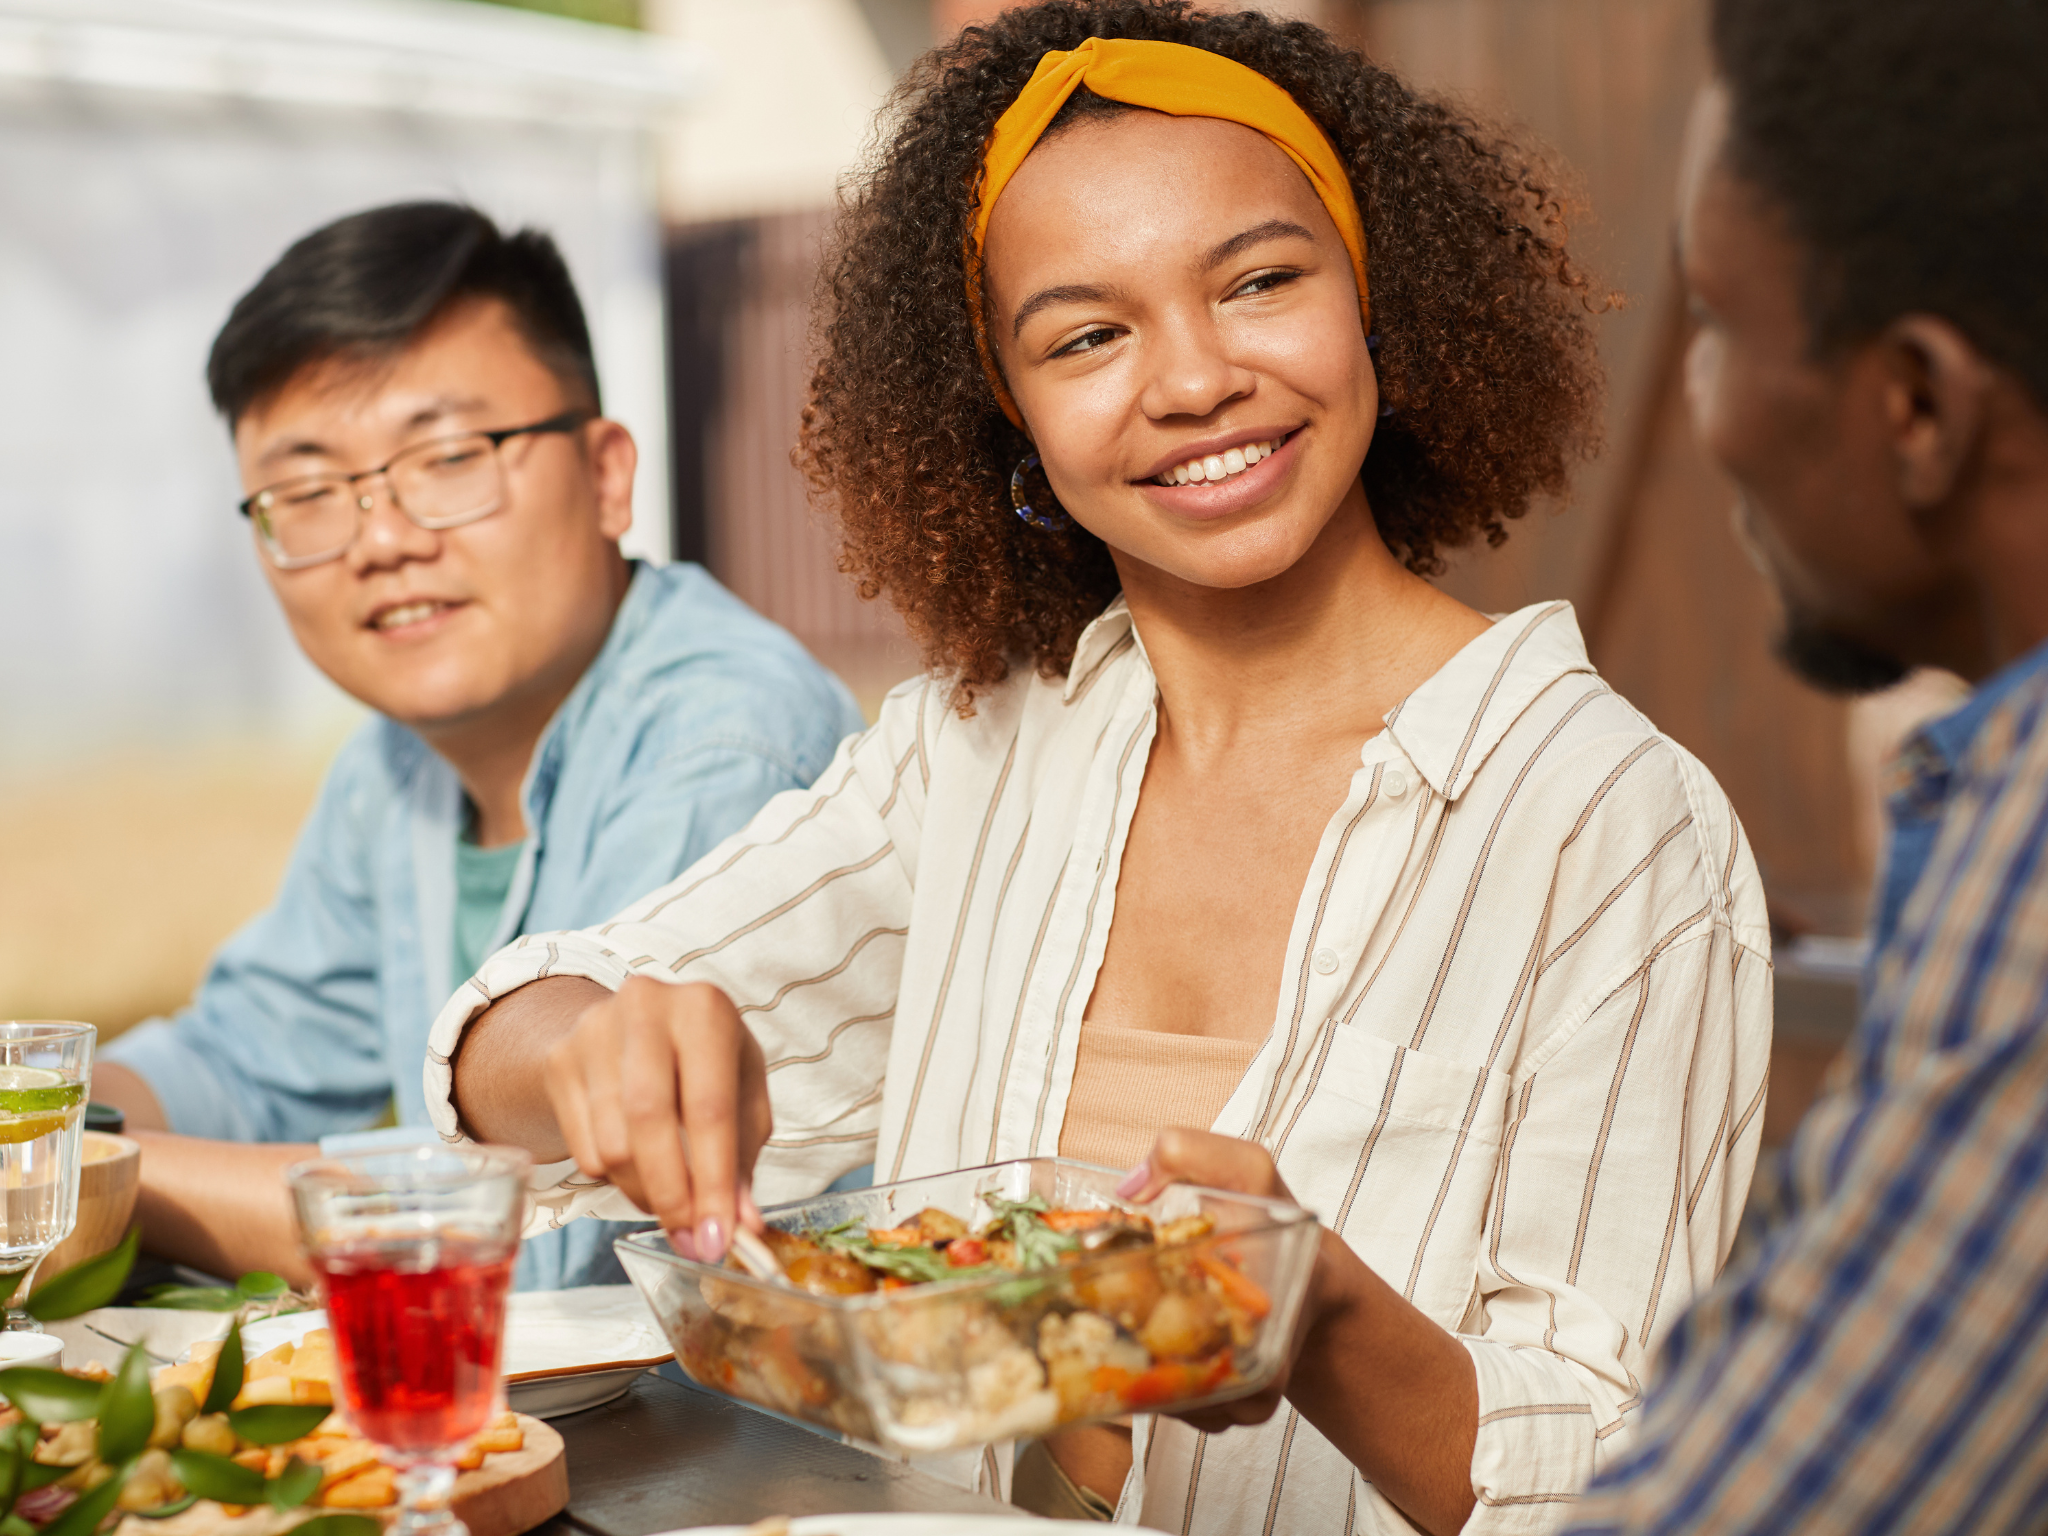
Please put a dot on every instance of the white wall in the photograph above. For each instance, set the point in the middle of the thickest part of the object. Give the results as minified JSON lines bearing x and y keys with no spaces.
{"x":131,"y":607}
{"x":789,"y":101}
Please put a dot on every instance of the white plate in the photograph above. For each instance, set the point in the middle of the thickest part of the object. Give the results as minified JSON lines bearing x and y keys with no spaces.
{"x":888,"y":1524}
{"x":103,"y":1335}
{"x":564,"y":1350}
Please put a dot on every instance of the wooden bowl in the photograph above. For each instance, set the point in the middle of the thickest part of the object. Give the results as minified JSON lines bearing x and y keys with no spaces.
{"x":109,"y":1178}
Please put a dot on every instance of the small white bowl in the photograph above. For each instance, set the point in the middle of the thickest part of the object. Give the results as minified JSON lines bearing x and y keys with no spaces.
{"x":25,"y":1348}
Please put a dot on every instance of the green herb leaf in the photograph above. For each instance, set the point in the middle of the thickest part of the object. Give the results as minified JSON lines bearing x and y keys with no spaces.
{"x":24,"y":1473}
{"x":9,"y":1284}
{"x":276,"y":1423}
{"x":1038,"y":1246}
{"x":298,"y":1482}
{"x":50,"y":1397}
{"x":919,"y":1265}
{"x":36,"y":1474}
{"x":14,"y":1525}
{"x":227,"y":1373}
{"x":127,"y":1412}
{"x":262,"y":1285}
{"x":12,"y":1456}
{"x":162,"y":1511}
{"x":215,"y":1477}
{"x":192,"y":1298}
{"x":335,"y":1525}
{"x":83,"y":1517}
{"x":95,"y":1283}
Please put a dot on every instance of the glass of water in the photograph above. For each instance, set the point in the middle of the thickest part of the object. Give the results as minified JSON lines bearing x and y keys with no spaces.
{"x":45,"y":1079}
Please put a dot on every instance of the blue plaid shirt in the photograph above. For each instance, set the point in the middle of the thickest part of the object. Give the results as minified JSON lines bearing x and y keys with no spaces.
{"x":1882,"y":1365}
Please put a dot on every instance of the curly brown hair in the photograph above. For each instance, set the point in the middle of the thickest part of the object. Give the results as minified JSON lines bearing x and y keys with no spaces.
{"x":1485,"y":350}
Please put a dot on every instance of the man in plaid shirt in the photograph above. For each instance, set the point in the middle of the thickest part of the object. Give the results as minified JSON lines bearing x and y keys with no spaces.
{"x":1864,"y":231}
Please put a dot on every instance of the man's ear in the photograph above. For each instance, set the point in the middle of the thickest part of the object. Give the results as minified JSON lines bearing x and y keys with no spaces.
{"x":1937,"y":398}
{"x":613,"y":459}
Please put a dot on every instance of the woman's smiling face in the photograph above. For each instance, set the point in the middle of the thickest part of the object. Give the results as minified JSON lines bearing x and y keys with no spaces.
{"x":1170,"y":299}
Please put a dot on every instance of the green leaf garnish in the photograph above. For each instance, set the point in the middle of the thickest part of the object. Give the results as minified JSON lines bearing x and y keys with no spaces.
{"x":163,"y":1511}
{"x":1038,"y":1246}
{"x":262,"y":1285}
{"x":335,"y":1525}
{"x":9,"y":1284}
{"x":83,"y":1517}
{"x":11,"y":1458}
{"x":14,"y":1525}
{"x":227,"y":1373}
{"x":95,"y":1283}
{"x":276,"y":1423}
{"x":298,"y":1482}
{"x":50,"y":1397}
{"x":919,"y":1265}
{"x":36,"y":1474}
{"x":22,"y":1472}
{"x":127,"y":1413}
{"x":215,"y":1477}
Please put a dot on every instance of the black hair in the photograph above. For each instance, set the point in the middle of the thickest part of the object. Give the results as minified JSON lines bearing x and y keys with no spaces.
{"x":1906,"y":141}
{"x":364,"y":286}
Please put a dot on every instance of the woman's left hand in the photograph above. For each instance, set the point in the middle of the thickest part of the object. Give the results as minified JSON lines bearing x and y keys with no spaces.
{"x":1390,"y":1388}
{"x":1246,"y":1168}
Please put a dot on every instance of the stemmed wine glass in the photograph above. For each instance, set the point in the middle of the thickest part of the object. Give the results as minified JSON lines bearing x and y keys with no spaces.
{"x":45,"y":1078}
{"x":414,"y":1248}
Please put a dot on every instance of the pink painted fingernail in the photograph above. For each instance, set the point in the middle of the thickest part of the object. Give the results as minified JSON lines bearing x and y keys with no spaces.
{"x":1135,"y":1180}
{"x":710,"y":1240}
{"x":683,"y":1243}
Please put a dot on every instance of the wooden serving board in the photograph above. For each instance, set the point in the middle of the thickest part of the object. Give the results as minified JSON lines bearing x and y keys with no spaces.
{"x":512,"y":1491}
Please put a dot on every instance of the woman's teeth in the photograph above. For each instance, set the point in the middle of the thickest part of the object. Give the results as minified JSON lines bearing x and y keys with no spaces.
{"x":1218,"y":466}
{"x":411,"y":613}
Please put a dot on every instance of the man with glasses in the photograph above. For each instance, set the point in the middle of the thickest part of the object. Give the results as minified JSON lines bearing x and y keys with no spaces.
{"x":437,"y":499}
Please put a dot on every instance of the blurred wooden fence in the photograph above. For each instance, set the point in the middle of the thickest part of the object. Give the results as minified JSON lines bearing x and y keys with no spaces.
{"x":1676,"y":616}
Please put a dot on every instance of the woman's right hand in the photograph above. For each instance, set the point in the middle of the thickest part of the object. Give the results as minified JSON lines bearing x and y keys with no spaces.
{"x":661,"y":1091}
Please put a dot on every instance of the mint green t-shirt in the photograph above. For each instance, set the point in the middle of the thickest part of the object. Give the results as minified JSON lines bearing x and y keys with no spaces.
{"x":482,"y":878}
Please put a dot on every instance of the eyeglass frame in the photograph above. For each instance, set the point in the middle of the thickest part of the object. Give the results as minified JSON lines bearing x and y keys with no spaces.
{"x":565,"y":422}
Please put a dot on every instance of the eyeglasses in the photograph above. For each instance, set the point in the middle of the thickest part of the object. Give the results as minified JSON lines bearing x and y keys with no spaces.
{"x":443,"y":483}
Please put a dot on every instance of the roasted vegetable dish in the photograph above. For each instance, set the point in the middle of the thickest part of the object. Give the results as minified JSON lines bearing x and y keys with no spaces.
{"x":962,"y":1333}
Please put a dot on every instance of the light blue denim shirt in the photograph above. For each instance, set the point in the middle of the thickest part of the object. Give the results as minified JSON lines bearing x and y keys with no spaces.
{"x":312,"y":1017}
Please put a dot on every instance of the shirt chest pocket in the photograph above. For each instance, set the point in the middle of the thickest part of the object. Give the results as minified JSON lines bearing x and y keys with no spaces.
{"x":1401,"y":1147}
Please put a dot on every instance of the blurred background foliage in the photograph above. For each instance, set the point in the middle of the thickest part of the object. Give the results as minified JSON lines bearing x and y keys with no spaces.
{"x":613,"y":13}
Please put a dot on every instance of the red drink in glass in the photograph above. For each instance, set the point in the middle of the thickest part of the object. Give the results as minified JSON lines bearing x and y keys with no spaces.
{"x":414,"y":1245}
{"x":417,"y":1333}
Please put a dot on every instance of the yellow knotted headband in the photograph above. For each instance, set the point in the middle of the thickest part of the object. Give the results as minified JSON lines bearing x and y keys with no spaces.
{"x":1165,"y":77}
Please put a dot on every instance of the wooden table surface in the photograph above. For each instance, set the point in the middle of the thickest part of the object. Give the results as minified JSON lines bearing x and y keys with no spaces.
{"x":667,"y":1456}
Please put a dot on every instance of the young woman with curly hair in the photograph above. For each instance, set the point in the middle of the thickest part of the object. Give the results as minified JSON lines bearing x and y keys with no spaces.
{"x":1165,"y":352}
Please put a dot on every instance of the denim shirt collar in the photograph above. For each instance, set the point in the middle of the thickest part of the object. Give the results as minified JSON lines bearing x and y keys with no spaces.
{"x":1926,"y":765}
{"x":437,"y":804}
{"x":552,"y":750}
{"x":1919,"y":783}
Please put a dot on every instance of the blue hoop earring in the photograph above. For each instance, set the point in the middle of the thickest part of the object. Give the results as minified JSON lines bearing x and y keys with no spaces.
{"x":1372,"y":348}
{"x":1051,"y":522}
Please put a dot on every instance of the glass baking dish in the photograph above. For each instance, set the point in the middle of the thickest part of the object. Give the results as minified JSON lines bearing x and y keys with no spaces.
{"x":957,"y":1363}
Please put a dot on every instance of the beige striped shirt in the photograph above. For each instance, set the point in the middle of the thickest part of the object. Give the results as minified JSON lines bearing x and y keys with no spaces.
{"x":1517,"y":1061}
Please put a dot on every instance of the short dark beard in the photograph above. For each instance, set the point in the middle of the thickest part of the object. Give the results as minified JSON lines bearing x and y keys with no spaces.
{"x":1832,"y":661}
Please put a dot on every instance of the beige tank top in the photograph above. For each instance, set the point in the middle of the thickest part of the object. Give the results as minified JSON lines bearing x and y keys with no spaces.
{"x":1130,"y":1084}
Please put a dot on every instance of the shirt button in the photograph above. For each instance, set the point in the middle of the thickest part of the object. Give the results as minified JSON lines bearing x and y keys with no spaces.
{"x":1325,"y":961}
{"x":1395,"y":784}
